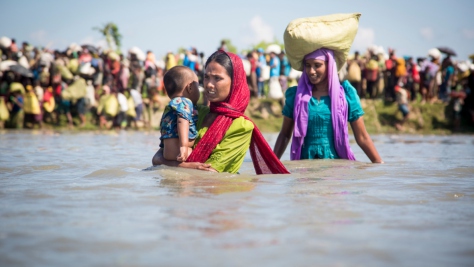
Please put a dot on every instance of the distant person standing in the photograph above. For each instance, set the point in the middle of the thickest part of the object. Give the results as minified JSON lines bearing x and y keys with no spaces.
{"x":390,"y":74}
{"x":274,"y":65}
{"x":252,"y":58}
{"x":170,"y":60}
{"x":402,"y":96}
{"x":447,"y":70}
{"x":261,"y":64}
{"x":275,"y":91}
{"x":354,"y":73}
{"x":14,"y":47}
{"x":371,"y":75}
{"x":285,"y":69}
{"x":413,"y":78}
{"x":190,"y":59}
{"x":430,"y":71}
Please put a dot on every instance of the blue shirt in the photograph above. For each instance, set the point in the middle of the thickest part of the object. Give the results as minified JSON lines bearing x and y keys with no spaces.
{"x":274,"y":67}
{"x":319,"y":140}
{"x":178,"y":107}
{"x":285,"y":67}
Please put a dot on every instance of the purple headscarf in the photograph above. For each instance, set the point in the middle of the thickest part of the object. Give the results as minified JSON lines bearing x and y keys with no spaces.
{"x":339,"y":110}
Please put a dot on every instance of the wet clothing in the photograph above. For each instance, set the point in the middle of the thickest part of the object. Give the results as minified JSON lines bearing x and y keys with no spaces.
{"x":236,"y":132}
{"x":181,"y":107}
{"x":229,"y":154}
{"x":319,"y":140}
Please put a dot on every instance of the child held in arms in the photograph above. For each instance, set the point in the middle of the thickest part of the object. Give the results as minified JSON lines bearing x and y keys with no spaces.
{"x":178,"y":124}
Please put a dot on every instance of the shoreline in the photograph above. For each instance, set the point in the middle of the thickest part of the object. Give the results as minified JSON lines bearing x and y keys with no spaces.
{"x":379,"y":118}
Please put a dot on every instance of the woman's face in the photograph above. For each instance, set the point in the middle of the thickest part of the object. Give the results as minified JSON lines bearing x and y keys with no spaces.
{"x":316,"y":70}
{"x":217,"y":82}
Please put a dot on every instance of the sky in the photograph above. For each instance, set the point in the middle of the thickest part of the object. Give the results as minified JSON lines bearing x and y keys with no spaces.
{"x":410,"y":27}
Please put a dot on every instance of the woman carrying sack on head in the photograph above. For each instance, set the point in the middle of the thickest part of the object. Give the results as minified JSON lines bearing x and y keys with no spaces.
{"x":316,"y":111}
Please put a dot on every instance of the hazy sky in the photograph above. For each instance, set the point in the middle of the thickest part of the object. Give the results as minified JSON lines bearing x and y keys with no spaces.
{"x":411,"y":27}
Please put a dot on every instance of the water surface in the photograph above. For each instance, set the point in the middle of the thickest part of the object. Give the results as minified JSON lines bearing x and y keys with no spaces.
{"x":84,"y":199}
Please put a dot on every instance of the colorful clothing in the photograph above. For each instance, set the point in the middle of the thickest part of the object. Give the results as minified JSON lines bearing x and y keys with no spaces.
{"x":274,"y":67}
{"x":339,"y":108}
{"x":319,"y":140}
{"x":178,"y":107}
{"x":285,"y":67}
{"x":229,"y":154}
{"x":230,"y":114}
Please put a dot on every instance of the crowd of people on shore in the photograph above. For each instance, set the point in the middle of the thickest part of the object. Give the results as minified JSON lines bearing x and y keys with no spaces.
{"x":111,"y":90}
{"x":405,"y":79}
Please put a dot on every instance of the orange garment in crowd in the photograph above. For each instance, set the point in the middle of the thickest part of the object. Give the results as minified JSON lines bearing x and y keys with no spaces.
{"x":401,"y":69}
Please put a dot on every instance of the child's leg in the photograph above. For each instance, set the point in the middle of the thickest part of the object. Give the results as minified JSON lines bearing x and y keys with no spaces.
{"x":171,"y":148}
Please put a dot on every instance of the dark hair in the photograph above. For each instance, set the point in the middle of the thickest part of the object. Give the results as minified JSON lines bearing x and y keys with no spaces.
{"x":175,"y":79}
{"x":224,"y":60}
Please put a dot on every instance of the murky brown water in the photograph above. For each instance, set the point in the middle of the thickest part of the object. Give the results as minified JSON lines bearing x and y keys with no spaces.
{"x":83,"y":199}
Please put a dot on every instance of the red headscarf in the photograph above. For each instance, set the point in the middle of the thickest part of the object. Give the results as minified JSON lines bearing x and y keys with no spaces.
{"x":264,"y":160}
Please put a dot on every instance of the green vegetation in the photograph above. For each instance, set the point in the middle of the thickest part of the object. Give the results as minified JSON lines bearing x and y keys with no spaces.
{"x":435,"y":118}
{"x":112,"y":36}
{"x":230,"y":47}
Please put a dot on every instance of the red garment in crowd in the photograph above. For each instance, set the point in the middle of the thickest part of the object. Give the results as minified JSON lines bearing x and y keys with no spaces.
{"x":264,"y":160}
{"x":389,"y":64}
{"x":47,"y":96}
{"x":58,"y":89}
{"x":85,"y":58}
{"x":415,"y":74}
{"x":253,"y":64}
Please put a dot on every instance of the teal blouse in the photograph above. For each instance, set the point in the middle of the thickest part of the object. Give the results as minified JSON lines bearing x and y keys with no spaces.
{"x":319,"y":139}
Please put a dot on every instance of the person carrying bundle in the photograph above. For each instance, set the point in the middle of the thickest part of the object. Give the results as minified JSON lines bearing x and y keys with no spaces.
{"x":316,"y":111}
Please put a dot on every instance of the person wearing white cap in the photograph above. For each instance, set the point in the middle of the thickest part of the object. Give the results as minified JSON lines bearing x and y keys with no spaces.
{"x":430,"y":70}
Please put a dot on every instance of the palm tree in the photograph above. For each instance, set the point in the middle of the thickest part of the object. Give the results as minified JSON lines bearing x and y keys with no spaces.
{"x":112,"y":35}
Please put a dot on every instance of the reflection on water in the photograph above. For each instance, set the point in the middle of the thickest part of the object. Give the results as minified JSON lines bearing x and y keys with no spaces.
{"x":92,"y":199}
{"x":194,"y":183}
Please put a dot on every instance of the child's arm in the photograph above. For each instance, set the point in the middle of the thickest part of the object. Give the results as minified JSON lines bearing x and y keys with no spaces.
{"x":364,"y":141}
{"x":183,"y":133}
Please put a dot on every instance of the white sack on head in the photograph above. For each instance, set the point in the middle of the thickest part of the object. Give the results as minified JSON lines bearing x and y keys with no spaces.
{"x":305,"y":35}
{"x":5,"y":42}
{"x":434,"y":53}
{"x":273,"y":48}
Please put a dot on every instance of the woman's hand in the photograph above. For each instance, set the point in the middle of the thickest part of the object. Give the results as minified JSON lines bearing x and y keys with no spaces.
{"x":158,"y":159}
{"x":197,"y":165}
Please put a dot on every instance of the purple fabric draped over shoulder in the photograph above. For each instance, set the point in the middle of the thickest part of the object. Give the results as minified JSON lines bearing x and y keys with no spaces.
{"x":339,"y":109}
